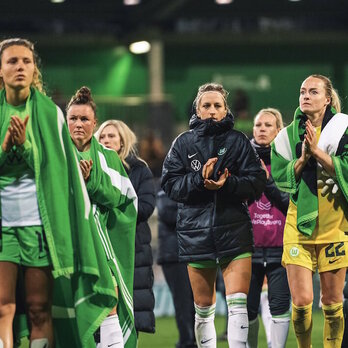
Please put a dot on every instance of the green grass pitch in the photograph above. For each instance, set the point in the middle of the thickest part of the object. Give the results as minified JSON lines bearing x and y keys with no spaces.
{"x":166,"y":333}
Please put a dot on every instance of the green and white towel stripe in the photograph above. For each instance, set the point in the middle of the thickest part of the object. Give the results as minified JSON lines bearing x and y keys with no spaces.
{"x":103,"y":235}
{"x":119,"y":224}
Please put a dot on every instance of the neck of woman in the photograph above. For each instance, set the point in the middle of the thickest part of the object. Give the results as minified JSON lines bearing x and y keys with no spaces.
{"x":16,"y":97}
{"x":83,"y":146}
{"x":317,"y":118}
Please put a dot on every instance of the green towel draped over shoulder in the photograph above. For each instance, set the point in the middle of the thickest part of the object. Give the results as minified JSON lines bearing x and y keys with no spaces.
{"x":83,"y":288}
{"x":287,"y":148}
{"x":110,"y":187}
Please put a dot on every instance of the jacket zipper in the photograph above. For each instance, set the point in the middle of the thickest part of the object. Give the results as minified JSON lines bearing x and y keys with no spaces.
{"x":212,"y":224}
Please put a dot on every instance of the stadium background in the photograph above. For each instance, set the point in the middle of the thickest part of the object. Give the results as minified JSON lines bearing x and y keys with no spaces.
{"x":263,"y":49}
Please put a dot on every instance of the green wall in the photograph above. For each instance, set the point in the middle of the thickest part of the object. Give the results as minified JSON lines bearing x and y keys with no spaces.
{"x":270,"y":74}
{"x":107,"y":71}
{"x":275,"y":85}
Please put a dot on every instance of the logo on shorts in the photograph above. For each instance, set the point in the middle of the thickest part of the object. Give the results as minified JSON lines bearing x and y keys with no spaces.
{"x":294,"y":251}
{"x":196,"y":165}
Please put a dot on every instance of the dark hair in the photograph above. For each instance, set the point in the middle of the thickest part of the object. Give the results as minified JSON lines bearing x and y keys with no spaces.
{"x":83,"y":96}
{"x":37,"y":77}
{"x":211,"y":87}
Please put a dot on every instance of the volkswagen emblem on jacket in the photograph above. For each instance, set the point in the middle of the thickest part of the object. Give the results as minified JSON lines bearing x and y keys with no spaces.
{"x":196,"y":165}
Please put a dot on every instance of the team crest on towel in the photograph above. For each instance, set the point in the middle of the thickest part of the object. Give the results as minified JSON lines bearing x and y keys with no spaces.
{"x":222,"y":151}
{"x":196,"y":165}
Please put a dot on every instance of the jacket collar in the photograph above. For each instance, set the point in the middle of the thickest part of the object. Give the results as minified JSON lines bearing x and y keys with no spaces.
{"x":211,"y":127}
{"x":264,"y":152}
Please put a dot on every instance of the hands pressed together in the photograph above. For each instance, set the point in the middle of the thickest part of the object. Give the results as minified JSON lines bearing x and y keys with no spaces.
{"x":86,"y":167}
{"x":207,"y":172}
{"x":15,"y":134}
{"x":309,"y":145}
{"x":310,"y":148}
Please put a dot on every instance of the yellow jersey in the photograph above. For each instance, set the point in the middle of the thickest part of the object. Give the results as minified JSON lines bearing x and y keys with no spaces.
{"x":331,"y":225}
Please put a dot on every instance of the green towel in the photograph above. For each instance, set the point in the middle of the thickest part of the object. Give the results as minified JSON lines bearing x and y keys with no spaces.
{"x":84,"y":292}
{"x":286,"y":149}
{"x":110,"y":186}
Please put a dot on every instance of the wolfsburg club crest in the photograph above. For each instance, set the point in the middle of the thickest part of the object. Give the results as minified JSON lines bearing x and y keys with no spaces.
{"x":222,"y":151}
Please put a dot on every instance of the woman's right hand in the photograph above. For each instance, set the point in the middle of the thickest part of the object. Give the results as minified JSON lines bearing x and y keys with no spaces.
{"x":208,"y":168}
{"x":302,"y":161}
{"x":86,"y":167}
{"x":305,"y":155}
{"x":18,"y":129}
{"x":8,"y":141}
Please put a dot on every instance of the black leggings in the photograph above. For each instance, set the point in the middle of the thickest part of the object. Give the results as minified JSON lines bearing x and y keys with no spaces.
{"x":179,"y":284}
{"x":278,"y":289}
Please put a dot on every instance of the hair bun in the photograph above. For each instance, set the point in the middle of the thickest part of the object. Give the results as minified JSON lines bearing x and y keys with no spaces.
{"x":83,"y":95}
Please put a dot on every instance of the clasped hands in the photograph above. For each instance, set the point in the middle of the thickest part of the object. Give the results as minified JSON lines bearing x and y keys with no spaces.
{"x":309,"y":147}
{"x":207,"y":172}
{"x":15,"y":134}
{"x":86,"y":167}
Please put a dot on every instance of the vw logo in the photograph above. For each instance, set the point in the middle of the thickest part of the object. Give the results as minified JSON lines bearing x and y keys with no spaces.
{"x":196,"y":165}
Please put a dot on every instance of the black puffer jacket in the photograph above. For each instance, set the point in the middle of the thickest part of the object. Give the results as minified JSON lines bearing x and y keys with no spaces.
{"x":144,"y":301}
{"x":213,"y":224}
{"x":167,"y":238}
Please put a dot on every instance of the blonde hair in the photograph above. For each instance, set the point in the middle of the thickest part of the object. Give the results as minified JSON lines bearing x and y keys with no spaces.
{"x":37,"y":77}
{"x":276,"y":113}
{"x":330,"y":91}
{"x":211,"y":87}
{"x":127,"y":137}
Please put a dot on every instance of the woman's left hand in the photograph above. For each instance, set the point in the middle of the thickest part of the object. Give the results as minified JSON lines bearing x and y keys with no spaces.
{"x":310,"y":138}
{"x":215,"y":185}
{"x":17,"y":129}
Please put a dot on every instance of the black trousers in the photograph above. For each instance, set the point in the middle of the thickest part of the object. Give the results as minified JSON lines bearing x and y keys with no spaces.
{"x":177,"y":278}
{"x":278,"y":289}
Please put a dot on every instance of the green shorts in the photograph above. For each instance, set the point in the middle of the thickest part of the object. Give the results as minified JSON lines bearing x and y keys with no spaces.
{"x":223,"y":262}
{"x":25,"y":245}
